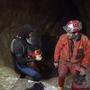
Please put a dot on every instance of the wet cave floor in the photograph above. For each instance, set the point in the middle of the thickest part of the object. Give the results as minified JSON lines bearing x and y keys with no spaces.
{"x":9,"y":80}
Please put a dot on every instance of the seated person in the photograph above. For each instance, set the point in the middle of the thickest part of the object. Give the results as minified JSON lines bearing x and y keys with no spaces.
{"x":25,"y":54}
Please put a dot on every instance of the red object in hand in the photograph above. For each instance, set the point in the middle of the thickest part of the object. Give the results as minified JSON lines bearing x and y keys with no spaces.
{"x":34,"y":53}
{"x":37,"y":52}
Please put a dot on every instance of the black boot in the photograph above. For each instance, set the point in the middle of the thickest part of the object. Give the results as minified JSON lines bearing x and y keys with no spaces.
{"x":22,"y":76}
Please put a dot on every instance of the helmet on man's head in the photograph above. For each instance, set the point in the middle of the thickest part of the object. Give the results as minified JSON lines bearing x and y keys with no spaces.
{"x":25,"y":32}
{"x":73,"y":26}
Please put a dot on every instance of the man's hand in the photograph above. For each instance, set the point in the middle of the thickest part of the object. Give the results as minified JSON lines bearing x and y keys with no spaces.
{"x":56,"y":64}
{"x":31,"y":64}
{"x":38,"y":55}
{"x":82,"y":71}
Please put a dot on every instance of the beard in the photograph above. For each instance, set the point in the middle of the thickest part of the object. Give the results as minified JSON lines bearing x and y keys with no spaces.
{"x":76,"y":37}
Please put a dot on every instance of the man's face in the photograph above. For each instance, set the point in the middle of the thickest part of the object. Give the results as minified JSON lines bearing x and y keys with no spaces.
{"x":30,"y":34}
{"x":29,"y":38}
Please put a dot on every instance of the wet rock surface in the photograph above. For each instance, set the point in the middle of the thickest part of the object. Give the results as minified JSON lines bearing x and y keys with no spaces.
{"x":23,"y":84}
{"x":9,"y":80}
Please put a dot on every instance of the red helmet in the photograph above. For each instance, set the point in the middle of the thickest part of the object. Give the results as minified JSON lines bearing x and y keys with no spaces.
{"x":73,"y":26}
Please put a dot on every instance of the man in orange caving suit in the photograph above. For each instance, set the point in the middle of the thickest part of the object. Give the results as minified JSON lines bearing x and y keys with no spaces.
{"x":72,"y":54}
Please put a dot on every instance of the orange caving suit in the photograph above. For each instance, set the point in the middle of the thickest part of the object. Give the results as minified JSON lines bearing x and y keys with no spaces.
{"x":71,"y":61}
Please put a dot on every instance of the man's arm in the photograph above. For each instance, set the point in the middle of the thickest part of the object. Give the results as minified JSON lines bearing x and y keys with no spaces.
{"x":86,"y":60}
{"x":58,"y":48}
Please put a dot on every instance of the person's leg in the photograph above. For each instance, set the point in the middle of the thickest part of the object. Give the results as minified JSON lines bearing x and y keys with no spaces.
{"x":30,"y":72}
{"x":63,"y":70}
{"x":79,"y":81}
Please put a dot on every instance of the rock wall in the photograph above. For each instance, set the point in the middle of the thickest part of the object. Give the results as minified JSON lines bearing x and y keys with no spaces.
{"x":43,"y":15}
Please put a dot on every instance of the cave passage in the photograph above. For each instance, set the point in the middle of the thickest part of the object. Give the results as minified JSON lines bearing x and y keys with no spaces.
{"x":45,"y":16}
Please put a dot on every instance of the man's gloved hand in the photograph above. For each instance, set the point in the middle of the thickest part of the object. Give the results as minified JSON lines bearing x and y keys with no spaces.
{"x":56,"y":64}
{"x":80,"y":68}
{"x":82,"y":71}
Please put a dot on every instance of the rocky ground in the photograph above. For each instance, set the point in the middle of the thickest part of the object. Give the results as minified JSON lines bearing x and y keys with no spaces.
{"x":9,"y":80}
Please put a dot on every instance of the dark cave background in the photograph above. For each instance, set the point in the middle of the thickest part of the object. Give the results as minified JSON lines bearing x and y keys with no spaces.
{"x":45,"y":16}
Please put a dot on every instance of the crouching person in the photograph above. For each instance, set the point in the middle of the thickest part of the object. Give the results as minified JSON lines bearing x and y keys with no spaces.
{"x":72,"y":54}
{"x":24,"y":54}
